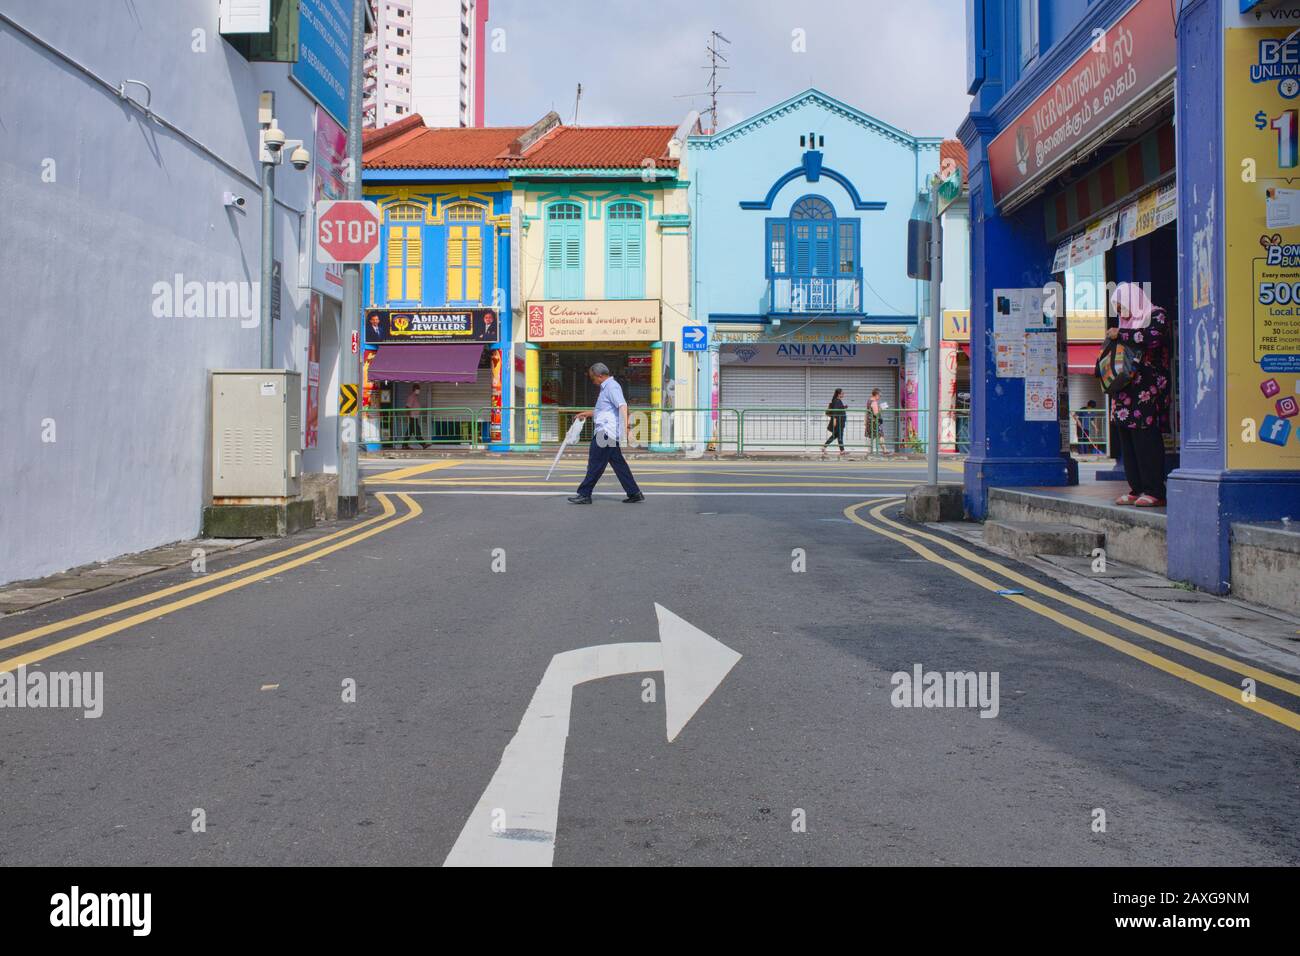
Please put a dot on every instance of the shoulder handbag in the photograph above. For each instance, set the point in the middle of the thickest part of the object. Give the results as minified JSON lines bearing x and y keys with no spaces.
{"x":1116,"y":366}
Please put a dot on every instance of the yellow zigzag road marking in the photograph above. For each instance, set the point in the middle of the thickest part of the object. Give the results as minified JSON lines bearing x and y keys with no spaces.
{"x":410,"y":472}
{"x":87,"y":637}
{"x":1226,"y":691}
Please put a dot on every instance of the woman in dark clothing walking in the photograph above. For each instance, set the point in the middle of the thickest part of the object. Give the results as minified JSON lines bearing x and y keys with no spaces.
{"x":836,"y":412}
{"x":1141,"y":410}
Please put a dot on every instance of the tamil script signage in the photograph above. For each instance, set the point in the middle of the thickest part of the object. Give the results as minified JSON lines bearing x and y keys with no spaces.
{"x":431,"y":325}
{"x":583,"y":320}
{"x":1135,"y":55}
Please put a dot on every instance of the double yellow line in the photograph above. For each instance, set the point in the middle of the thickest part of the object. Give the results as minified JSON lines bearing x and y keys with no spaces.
{"x":909,"y":536}
{"x":307,"y":551}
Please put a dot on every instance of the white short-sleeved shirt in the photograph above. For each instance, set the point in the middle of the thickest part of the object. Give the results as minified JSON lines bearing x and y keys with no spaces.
{"x":607,"y":405}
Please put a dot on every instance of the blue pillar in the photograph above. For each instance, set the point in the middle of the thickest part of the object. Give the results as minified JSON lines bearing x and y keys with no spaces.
{"x":505,"y":344}
{"x":1007,"y":252}
{"x":1205,"y":497}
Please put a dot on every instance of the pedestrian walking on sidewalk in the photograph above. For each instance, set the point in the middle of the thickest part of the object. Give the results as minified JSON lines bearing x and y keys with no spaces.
{"x":610,"y":416}
{"x":414,"y":422}
{"x":1141,"y":408}
{"x":836,"y":412}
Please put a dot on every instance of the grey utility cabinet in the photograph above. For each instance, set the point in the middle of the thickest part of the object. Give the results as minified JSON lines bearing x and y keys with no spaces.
{"x":256,"y":433}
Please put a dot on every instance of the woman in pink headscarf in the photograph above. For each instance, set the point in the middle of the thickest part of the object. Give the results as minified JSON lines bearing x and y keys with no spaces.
{"x":1141,"y":410}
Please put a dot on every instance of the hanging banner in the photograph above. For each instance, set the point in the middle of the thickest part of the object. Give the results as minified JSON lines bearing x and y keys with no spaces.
{"x":1261,"y":262}
{"x":1134,"y":56}
{"x":312,"y":418}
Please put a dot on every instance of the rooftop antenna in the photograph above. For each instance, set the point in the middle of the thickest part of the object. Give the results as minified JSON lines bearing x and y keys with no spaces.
{"x":576,"y":101}
{"x":716,"y":58}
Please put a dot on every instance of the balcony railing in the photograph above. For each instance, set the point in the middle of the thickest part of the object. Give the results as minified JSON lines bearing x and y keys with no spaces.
{"x":815,"y":294}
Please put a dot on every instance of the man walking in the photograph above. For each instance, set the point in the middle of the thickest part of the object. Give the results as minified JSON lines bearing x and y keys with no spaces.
{"x":610,"y":414}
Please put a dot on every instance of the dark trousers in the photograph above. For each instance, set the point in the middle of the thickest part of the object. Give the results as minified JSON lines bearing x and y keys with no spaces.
{"x":414,"y":430}
{"x":1143,"y":454}
{"x":605,"y":451}
{"x":837,"y":431}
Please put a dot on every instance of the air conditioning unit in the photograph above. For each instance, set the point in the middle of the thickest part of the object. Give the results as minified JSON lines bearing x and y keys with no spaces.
{"x":256,"y":433}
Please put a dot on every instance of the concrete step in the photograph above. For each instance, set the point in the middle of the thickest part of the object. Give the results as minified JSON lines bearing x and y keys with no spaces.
{"x":1033,"y":537}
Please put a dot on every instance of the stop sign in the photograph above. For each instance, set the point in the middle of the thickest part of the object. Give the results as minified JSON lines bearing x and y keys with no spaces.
{"x":347,"y":230}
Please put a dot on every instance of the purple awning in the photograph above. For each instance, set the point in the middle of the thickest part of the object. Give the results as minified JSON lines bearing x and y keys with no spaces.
{"x":426,"y":363}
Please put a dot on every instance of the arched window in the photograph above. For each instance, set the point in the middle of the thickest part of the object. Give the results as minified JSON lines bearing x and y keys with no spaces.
{"x":625,"y":251}
{"x":812,"y":207}
{"x":404,"y":252}
{"x":464,"y":212}
{"x":564,"y":228}
{"x":812,"y":241}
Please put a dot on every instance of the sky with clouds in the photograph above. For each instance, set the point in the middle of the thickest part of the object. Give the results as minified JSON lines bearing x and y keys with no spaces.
{"x":904,"y":63}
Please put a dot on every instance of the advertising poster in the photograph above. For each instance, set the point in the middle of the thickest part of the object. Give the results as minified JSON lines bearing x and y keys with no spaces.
{"x":1009,"y":332}
{"x":313,"y":373}
{"x":1262,"y":262}
{"x":495,"y":432}
{"x":328,"y":164}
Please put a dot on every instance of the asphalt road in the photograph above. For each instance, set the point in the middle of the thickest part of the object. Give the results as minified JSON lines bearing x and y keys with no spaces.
{"x":232,"y":703}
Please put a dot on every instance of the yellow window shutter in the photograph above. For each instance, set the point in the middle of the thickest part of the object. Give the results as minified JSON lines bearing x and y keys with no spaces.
{"x":474,"y":265}
{"x":414,"y":263}
{"x":395,"y":262}
{"x":455,"y":263}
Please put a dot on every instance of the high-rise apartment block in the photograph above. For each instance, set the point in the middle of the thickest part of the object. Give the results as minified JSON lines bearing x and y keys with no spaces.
{"x":426,"y":57}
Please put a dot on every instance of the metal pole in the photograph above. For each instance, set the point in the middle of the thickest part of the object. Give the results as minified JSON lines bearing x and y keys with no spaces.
{"x":936,"y":284}
{"x":350,"y":373}
{"x":268,"y":256}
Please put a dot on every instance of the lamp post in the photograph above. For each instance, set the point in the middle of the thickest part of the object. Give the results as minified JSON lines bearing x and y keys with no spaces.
{"x":272,"y":147}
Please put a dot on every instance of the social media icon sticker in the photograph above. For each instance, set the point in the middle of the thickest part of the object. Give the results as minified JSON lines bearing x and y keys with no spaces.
{"x":1274,"y":430}
{"x":1269,"y":387}
{"x":1287,"y":407}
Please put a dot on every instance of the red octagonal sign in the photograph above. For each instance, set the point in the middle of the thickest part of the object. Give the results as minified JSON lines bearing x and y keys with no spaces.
{"x":347,"y":231}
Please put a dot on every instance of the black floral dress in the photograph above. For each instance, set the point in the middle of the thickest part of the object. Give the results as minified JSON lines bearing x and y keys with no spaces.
{"x":1144,"y":402}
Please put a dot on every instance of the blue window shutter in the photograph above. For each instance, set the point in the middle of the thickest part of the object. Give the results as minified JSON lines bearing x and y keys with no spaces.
{"x":573,"y":260}
{"x":634,"y":259}
{"x":554,"y":260}
{"x":615,"y":261}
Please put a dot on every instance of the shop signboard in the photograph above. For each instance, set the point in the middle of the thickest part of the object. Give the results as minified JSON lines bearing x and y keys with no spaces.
{"x":581,"y":320}
{"x":956,"y":325}
{"x":389,"y":326}
{"x":1262,"y":255}
{"x":1134,"y":56}
{"x":324,"y":53}
{"x":793,"y":353}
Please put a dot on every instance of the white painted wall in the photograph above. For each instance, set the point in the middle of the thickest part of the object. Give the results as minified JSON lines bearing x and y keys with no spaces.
{"x":131,"y":204}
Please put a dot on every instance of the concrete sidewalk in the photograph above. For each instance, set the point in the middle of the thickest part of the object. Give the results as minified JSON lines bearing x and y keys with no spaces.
{"x":1269,"y":637}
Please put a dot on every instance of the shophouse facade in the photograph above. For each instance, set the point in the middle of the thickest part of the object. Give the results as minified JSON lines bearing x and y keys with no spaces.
{"x":1138,"y":140}
{"x":799,"y":267}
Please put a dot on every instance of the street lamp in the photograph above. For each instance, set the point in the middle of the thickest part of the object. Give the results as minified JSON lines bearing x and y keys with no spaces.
{"x":272,"y":147}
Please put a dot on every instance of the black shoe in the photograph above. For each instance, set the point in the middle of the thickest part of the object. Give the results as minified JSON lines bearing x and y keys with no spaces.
{"x":633,"y":499}
{"x":580,"y":500}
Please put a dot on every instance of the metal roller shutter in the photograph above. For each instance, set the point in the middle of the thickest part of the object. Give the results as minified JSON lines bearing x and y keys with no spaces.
{"x":758,"y":389}
{"x":857,"y":384}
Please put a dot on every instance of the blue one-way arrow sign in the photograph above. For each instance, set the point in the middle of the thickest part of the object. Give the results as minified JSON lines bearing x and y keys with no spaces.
{"x":695,"y":338}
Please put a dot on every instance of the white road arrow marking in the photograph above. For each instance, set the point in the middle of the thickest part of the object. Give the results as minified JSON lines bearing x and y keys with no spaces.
{"x":514,"y":822}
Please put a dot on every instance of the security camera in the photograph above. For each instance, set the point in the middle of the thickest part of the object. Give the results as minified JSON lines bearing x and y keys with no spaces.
{"x":233,"y":201}
{"x":300,"y":158}
{"x":273,"y":138}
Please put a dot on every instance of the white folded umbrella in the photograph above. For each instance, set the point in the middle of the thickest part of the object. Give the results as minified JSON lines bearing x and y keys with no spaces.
{"x":574,"y":431}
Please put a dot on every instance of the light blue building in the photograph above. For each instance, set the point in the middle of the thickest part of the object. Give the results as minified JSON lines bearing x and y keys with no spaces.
{"x":799,"y":265}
